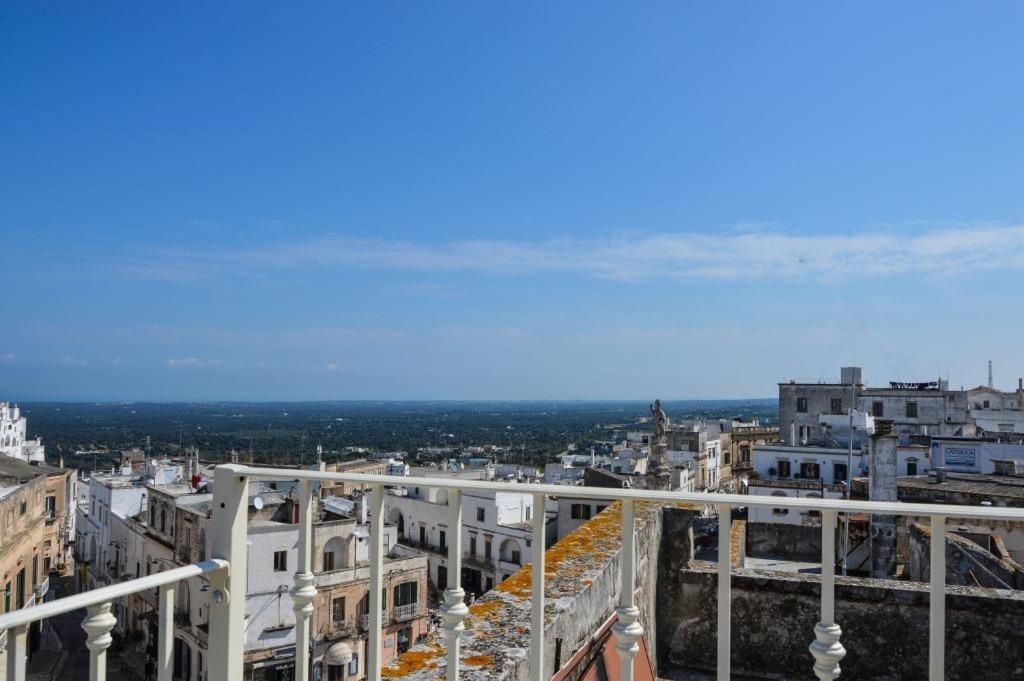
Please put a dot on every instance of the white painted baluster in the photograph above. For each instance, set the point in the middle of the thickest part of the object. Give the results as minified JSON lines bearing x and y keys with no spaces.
{"x":17,"y":640}
{"x":375,"y":660}
{"x":826,"y":649}
{"x":304,"y":590}
{"x":165,"y":634}
{"x":537,"y":591}
{"x":454,"y":610}
{"x":627,"y":629}
{"x":937,"y":602}
{"x":227,"y":587}
{"x":724,"y":664}
{"x":97,"y":624}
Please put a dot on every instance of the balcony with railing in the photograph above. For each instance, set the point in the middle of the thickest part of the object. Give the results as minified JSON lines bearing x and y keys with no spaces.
{"x":524,"y":596}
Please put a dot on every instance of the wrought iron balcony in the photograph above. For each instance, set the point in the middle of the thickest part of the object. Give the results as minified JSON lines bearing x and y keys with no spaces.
{"x":401,"y":613}
{"x":227,"y":575}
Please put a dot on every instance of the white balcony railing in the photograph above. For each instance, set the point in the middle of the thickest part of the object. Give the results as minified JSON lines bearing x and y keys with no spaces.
{"x":228,"y":587}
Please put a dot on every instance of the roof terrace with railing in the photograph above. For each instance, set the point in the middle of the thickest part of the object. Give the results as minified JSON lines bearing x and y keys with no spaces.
{"x":609,"y":578}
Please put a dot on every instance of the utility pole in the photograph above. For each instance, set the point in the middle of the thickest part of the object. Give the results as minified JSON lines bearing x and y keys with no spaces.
{"x":849,"y":486}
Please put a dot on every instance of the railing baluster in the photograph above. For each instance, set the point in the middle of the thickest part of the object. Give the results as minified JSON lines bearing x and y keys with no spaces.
{"x":304,"y":590}
{"x":227,"y":587}
{"x":17,"y":640}
{"x":375,"y":659}
{"x":165,"y":633}
{"x":937,"y":602}
{"x":826,"y":648}
{"x":537,"y":591}
{"x":454,"y":610}
{"x":97,"y":625}
{"x":724,"y":664}
{"x":627,"y":629}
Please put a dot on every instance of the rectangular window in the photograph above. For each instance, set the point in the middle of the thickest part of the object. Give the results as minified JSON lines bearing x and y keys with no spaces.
{"x":338,"y":610}
{"x":783,"y":468}
{"x":51,"y":507}
{"x":580,"y":512}
{"x":911,"y":410}
{"x":35,"y":570}
{"x":328,"y":560}
{"x":839,"y":472}
{"x":444,"y":540}
{"x":801,"y":405}
{"x":601,"y":507}
{"x":280,"y":561}
{"x":472,"y":545}
{"x":423,"y":535}
{"x":23,"y":507}
{"x":487,"y":548}
{"x":480,"y":514}
{"x":809,"y":470}
{"x":7,"y":597}
{"x":878,"y":409}
{"x":837,"y":405}
{"x":353,"y":666}
{"x":406,"y":593}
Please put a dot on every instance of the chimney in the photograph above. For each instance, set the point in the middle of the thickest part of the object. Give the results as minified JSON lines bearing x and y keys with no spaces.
{"x":882,"y":487}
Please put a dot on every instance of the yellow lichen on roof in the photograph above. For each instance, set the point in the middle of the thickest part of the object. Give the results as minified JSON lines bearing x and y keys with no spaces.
{"x":413,"y":661}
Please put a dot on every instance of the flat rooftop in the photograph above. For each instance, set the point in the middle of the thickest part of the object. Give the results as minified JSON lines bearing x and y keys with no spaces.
{"x":1007,"y":486}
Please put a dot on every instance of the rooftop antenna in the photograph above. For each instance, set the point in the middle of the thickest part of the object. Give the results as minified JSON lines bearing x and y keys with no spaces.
{"x":990,"y":385}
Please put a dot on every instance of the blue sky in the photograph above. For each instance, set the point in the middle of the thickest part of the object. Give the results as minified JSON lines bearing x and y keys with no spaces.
{"x":506,"y":200}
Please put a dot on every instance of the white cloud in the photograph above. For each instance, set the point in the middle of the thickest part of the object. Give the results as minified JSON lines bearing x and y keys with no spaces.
{"x":7,"y":358}
{"x":184,"y":362}
{"x":69,"y":361}
{"x":118,"y":361}
{"x":332,"y":367}
{"x":750,"y":253}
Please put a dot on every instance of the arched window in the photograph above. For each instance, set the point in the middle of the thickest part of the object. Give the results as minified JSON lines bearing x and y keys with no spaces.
{"x":510,"y":552}
{"x":163,"y":520}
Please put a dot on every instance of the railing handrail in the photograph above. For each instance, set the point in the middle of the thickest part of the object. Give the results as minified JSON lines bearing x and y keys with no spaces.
{"x":614,"y":493}
{"x":105,"y":594}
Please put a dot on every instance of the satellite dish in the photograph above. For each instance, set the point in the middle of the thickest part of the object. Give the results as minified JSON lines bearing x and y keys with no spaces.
{"x":257,"y":503}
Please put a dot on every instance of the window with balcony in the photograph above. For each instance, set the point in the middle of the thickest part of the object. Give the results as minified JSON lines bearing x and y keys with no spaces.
{"x":280,"y":561}
{"x":801,"y":405}
{"x":839,"y":472}
{"x":472,"y":545}
{"x":487,"y":548}
{"x":810,"y":470}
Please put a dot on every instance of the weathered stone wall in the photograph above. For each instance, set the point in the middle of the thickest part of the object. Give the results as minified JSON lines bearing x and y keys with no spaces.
{"x":582,"y":580}
{"x":796,"y":542}
{"x":967,"y":563}
{"x":885,"y":626}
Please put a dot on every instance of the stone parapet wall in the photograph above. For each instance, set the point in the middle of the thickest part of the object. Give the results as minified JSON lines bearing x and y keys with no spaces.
{"x":885,"y":627}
